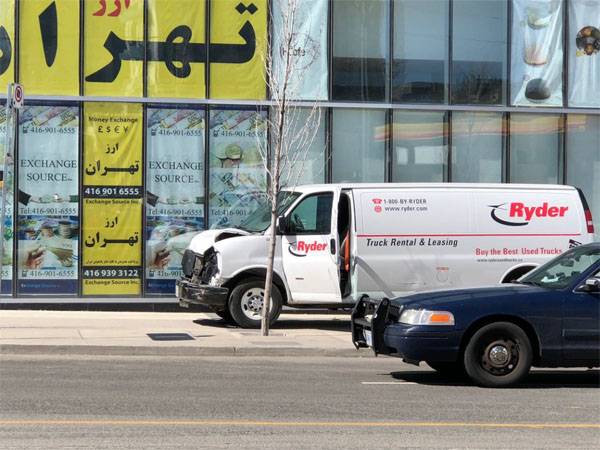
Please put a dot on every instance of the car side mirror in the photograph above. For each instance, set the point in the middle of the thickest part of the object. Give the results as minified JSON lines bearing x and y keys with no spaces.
{"x":283,"y":226}
{"x":591,"y":285}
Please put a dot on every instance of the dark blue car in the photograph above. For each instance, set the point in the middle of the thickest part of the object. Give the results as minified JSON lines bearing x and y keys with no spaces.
{"x":548,"y":318}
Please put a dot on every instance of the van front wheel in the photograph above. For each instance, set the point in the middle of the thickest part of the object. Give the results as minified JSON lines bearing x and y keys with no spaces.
{"x":246,"y":302}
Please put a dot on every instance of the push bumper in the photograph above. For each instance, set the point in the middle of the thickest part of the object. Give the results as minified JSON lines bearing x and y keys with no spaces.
{"x":375,"y":324}
{"x":200,"y":294}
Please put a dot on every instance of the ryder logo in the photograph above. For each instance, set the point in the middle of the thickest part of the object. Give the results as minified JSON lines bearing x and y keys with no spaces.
{"x":517,"y":214}
{"x":302,"y":248}
{"x":377,"y":203}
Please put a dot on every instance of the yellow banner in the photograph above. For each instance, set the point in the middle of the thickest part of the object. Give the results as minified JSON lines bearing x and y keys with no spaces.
{"x":112,"y":145}
{"x":49,"y":55}
{"x":112,"y":246}
{"x":176,"y":49}
{"x":114,"y":47}
{"x":237,"y":49}
{"x":7,"y":43}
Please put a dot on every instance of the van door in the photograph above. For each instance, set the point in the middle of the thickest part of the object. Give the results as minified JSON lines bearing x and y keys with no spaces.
{"x":310,"y":249}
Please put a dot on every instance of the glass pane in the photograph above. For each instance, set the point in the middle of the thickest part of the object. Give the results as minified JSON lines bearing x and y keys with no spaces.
{"x":537,"y":52}
{"x":477,"y":147}
{"x":312,"y":215}
{"x":174,"y":191}
{"x":238,"y":179}
{"x":48,"y":196}
{"x":7,"y":238}
{"x":304,"y":162}
{"x":479,"y":51}
{"x":584,"y":53}
{"x":583,"y":159}
{"x":358,"y":145}
{"x":360,"y":49}
{"x":420,"y":151}
{"x":535,"y":148}
{"x":238,"y":43}
{"x":309,"y":76}
{"x":420,"y":51}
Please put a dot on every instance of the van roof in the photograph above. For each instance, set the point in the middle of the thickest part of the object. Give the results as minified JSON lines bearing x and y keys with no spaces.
{"x":446,"y":186}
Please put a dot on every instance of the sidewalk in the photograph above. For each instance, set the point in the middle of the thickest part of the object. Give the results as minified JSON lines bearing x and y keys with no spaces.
{"x":177,"y":334}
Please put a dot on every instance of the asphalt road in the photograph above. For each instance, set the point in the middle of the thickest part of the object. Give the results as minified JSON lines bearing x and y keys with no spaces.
{"x":276,"y":403}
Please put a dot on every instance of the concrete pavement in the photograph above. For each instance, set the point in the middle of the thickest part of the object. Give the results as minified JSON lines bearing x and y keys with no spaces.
{"x":170,"y":333}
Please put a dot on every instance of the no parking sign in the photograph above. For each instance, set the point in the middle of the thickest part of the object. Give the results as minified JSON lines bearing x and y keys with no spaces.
{"x":17,"y":96}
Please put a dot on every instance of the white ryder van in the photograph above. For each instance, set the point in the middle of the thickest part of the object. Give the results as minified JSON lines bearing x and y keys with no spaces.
{"x":337,"y":242}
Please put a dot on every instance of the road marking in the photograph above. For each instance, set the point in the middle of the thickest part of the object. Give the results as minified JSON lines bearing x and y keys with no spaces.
{"x":283,"y":424}
{"x":386,"y":382}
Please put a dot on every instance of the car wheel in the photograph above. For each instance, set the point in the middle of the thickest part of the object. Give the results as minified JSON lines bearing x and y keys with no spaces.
{"x":498,"y":355}
{"x":246,"y":302}
{"x":448,"y":369}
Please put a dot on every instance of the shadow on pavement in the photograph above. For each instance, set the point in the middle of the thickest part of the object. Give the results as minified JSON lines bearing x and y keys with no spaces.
{"x":538,"y":379}
{"x":287,"y":324}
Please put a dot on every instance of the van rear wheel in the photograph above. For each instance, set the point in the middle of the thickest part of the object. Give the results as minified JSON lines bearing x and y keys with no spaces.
{"x":246,"y":302}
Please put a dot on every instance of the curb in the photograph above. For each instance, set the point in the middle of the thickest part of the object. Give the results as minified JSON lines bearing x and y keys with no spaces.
{"x":96,"y":350}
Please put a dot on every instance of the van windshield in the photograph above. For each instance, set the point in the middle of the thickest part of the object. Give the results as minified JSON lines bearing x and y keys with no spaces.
{"x":259,"y":218}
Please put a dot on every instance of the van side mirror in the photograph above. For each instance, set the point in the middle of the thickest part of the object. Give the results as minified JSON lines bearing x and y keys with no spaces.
{"x":591,"y":285}
{"x":283,"y":226}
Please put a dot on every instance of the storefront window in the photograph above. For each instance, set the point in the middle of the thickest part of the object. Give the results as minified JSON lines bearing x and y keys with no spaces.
{"x":584,"y":53}
{"x":477,"y":144}
{"x":420,"y":150}
{"x":537,"y":52}
{"x":174,"y":191}
{"x":308,"y":61}
{"x":238,"y":182}
{"x":360,"y":49}
{"x":583,"y":159}
{"x":479,"y":51}
{"x":536,"y":148}
{"x":419,"y":67}
{"x":304,"y":160}
{"x":7,"y":238}
{"x":48,"y":199}
{"x":238,"y":44}
{"x":358,"y":140}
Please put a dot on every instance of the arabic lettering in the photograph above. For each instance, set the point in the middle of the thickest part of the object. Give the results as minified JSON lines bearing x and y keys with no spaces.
{"x":112,"y":150}
{"x":91,"y":241}
{"x":93,"y":169}
{"x":112,"y":223}
{"x":5,"y":50}
{"x":115,"y":13}
{"x":49,"y":29}
{"x":176,"y":49}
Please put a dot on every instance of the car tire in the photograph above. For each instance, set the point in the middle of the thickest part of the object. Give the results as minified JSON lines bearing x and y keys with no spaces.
{"x":226,"y":316}
{"x":498,"y":355}
{"x":448,"y":369}
{"x":246,"y":299}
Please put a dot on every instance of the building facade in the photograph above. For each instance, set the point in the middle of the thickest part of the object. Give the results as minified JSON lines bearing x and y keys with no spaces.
{"x":144,"y":119}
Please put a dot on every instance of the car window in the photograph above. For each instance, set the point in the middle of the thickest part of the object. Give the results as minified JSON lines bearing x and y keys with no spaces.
{"x":560,"y":272}
{"x":312,"y":215}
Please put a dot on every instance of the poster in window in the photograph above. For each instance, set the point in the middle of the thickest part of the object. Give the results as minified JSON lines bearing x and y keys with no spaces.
{"x":537,"y":53}
{"x":49,"y":47}
{"x":309,"y":48}
{"x":174,"y":192}
{"x":584,"y":53}
{"x":7,"y":267}
{"x":7,"y":43}
{"x":176,"y":74}
{"x":237,"y":47}
{"x":48,"y":200}
{"x":114,"y":47}
{"x":237,"y":175}
{"x":112,"y":199}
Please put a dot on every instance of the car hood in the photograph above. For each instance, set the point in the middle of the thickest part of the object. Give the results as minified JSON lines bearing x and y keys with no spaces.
{"x":206,"y":239}
{"x":460,"y":297}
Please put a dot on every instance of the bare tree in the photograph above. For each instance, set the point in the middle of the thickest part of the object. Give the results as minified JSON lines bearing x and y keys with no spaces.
{"x":292,"y":126}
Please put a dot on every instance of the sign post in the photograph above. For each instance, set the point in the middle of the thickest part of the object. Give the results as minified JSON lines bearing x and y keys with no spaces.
{"x":14,"y":100}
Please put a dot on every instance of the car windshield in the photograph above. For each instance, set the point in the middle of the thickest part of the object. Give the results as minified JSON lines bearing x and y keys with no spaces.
{"x":259,"y":218}
{"x":562,"y":271}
